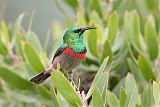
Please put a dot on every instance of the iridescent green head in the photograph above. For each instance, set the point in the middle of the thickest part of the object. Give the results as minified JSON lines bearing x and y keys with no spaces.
{"x":73,"y":37}
{"x":75,"y":34}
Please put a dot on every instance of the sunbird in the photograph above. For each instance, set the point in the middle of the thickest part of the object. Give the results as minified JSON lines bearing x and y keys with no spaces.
{"x":69,"y":55}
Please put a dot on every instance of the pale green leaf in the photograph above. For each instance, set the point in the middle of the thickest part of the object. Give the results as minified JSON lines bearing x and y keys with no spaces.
{"x":18,"y":22}
{"x":5,"y":32}
{"x":96,"y":5}
{"x":33,"y":39}
{"x":97,"y":100}
{"x":3,"y":48}
{"x":113,"y":26}
{"x":96,"y":18}
{"x":151,"y":38}
{"x":156,"y":92}
{"x":19,"y":96}
{"x":97,"y":77}
{"x":146,"y":68}
{"x":44,"y":92}
{"x":54,"y":97}
{"x":131,"y":91}
{"x":31,"y":56}
{"x":147,"y":97}
{"x":86,"y":68}
{"x":19,"y":37}
{"x":122,"y":97}
{"x":132,"y":28}
{"x":62,"y":101}
{"x":13,"y":79}
{"x":103,"y":85}
{"x":137,"y":73}
{"x":65,"y":89}
{"x":92,"y":41}
{"x":112,"y":100}
{"x":107,"y":51}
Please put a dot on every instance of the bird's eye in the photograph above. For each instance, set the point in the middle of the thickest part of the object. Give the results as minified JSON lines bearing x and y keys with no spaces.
{"x":77,"y":31}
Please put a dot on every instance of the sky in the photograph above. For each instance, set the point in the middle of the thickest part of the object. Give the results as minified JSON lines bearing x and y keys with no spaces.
{"x":46,"y":12}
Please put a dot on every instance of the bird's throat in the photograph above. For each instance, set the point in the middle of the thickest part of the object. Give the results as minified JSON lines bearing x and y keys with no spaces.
{"x":70,"y":52}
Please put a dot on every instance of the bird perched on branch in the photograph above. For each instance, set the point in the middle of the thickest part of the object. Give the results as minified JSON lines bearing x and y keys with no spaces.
{"x":69,"y":55}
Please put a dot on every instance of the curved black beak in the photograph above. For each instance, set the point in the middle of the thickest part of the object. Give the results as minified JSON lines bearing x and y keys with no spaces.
{"x":87,"y":28}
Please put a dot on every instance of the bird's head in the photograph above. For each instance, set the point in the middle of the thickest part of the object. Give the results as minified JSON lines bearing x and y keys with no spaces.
{"x":75,"y":34}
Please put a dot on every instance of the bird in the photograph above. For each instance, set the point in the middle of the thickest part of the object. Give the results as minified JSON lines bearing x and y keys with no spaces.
{"x":69,"y":55}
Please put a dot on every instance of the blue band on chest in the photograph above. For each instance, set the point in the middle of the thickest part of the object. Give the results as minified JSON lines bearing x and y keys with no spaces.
{"x":78,"y":52}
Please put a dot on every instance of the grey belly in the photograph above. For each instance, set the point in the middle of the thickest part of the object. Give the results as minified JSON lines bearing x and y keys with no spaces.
{"x":67,"y":63}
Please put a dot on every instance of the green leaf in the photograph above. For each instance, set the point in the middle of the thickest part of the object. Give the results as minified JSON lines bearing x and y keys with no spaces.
{"x":97,"y":100}
{"x":151,"y":19}
{"x":95,"y":5}
{"x":54,"y":97}
{"x":23,"y":97}
{"x":72,"y":3}
{"x":44,"y":92}
{"x":156,"y":92}
{"x":17,"y":26}
{"x":81,"y":18}
{"x":137,"y":73}
{"x":132,"y":27}
{"x":147,"y":97}
{"x":33,"y":39}
{"x":113,"y":26}
{"x":5,"y":32}
{"x":65,"y":89}
{"x":131,"y":91}
{"x":32,"y":58}
{"x":103,"y":85}
{"x":107,"y":51}
{"x":151,"y":38}
{"x":146,"y":68}
{"x":112,"y":100}
{"x":119,"y":85}
{"x":3,"y":48}
{"x":152,"y":5}
{"x":18,"y":39}
{"x":92,"y":41}
{"x":3,"y":101}
{"x":62,"y":101}
{"x":122,"y":97}
{"x":86,"y":68}
{"x":13,"y":79}
{"x":123,"y":52}
{"x":93,"y":16}
{"x":97,"y":77}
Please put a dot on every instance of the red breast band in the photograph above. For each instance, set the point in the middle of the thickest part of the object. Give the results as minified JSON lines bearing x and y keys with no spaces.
{"x":73,"y":54}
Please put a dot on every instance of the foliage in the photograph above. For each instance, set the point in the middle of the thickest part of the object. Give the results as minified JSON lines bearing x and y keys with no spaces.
{"x":123,"y":57}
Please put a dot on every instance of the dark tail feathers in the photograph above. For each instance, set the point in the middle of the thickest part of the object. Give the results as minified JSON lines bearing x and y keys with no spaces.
{"x":39,"y":78}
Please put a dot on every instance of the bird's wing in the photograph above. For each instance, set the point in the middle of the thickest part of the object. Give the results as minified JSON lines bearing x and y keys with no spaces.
{"x":58,"y":52}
